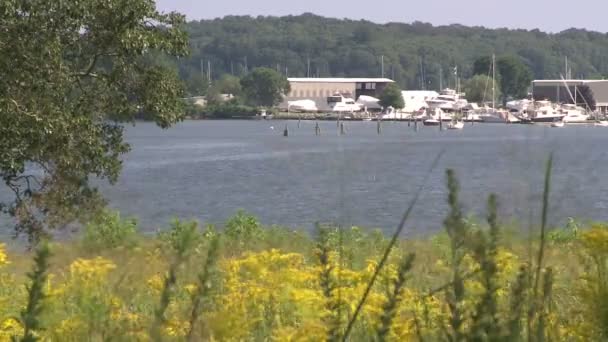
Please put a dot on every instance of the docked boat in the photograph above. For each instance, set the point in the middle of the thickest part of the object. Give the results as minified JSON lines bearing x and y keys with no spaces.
{"x":448,"y":101}
{"x":303,"y":106}
{"x":558,"y":124}
{"x":545,"y":112}
{"x":431,"y":122}
{"x":574,"y":114}
{"x":602,"y":123}
{"x":340,"y":104}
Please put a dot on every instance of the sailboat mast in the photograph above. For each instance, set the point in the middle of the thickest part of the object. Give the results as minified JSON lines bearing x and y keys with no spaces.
{"x":493,"y":82}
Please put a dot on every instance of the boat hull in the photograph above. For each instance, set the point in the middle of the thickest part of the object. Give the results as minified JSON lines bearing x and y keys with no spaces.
{"x":548,"y":119}
{"x":430,"y":123}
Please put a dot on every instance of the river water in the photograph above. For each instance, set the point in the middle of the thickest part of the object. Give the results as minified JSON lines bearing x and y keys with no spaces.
{"x":207,"y":170}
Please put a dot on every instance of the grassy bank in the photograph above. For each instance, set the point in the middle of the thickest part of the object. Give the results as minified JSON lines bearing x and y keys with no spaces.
{"x":244,"y":281}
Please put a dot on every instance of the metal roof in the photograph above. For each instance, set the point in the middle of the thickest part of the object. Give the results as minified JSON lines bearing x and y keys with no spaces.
{"x":339,"y":80}
{"x":567,"y":81}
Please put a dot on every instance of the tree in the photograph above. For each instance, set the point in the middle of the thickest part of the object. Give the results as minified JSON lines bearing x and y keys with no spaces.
{"x":228,"y":84}
{"x":265,"y":87}
{"x":585,"y":96}
{"x":392,"y":96}
{"x":482,"y":66}
{"x":479,"y":89}
{"x":72,"y":73}
{"x":515,"y":77}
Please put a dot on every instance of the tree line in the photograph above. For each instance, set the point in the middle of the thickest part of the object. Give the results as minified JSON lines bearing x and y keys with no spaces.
{"x":416,"y":55}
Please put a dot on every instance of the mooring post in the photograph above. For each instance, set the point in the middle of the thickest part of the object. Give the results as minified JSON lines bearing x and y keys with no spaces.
{"x":286,"y":131}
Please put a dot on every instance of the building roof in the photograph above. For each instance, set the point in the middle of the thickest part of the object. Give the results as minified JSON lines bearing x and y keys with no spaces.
{"x":339,"y":80}
{"x":553,"y":82}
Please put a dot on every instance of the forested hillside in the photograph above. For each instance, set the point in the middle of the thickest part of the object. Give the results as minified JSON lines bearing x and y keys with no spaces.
{"x":414,"y":54}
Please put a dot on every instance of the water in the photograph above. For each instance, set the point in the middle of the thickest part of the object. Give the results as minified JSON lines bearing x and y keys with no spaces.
{"x":207,"y":170}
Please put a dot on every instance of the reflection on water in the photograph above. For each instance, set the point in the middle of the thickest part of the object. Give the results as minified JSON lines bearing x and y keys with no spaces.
{"x":209,"y":169}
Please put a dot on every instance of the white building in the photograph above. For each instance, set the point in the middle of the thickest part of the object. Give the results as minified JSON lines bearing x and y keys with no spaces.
{"x":319,"y":89}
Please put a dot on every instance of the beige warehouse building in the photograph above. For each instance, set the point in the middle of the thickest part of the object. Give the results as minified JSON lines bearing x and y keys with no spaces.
{"x":319,"y":89}
{"x":559,"y":91}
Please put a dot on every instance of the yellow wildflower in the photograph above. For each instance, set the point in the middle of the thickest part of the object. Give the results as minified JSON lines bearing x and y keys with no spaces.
{"x":91,"y":270}
{"x":10,"y":328}
{"x":156,"y":283}
{"x":191,"y":289}
{"x":3,"y":255}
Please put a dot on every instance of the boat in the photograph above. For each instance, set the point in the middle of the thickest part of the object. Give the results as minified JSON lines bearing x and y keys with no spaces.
{"x":340,"y":104}
{"x":449,"y":100}
{"x":601,"y":123}
{"x":435,"y":118}
{"x":431,"y":122}
{"x":490,"y":114}
{"x":369,"y":103}
{"x":302,"y":106}
{"x":574,"y":114}
{"x":262,"y":115}
{"x":545,"y":112}
{"x":558,"y":124}
{"x":456,"y":125}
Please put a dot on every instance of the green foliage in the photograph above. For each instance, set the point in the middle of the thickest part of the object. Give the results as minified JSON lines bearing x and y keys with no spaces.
{"x":108,"y":230}
{"x":515,"y":77}
{"x":479,"y":89}
{"x":243,"y":226}
{"x":31,"y":315}
{"x":229,"y":109}
{"x":237,"y":44}
{"x":391,"y":96}
{"x":228,"y":84}
{"x":72,"y":71}
{"x":458,"y":233}
{"x":483,"y":66}
{"x":182,"y":238}
{"x":264,"y":87}
{"x":202,"y":296}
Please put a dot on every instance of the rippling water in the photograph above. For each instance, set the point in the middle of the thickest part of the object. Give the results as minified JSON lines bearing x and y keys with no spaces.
{"x":209,"y":169}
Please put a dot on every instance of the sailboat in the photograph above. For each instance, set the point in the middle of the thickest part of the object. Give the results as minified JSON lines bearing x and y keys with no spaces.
{"x":491,"y":115}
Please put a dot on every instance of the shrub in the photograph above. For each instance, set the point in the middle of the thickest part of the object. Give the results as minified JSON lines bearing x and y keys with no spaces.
{"x":108,"y":230}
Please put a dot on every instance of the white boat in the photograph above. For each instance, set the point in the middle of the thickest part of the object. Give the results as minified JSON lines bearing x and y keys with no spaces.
{"x":302,"y":106}
{"x":456,"y":125}
{"x":436,"y":116}
{"x":369,"y":103}
{"x":602,"y":123}
{"x":544,"y":111}
{"x":448,"y":101}
{"x":263,"y":115}
{"x":558,"y":124}
{"x":340,"y":104}
{"x":574,"y":114}
{"x":431,"y":122}
{"x":490,"y":114}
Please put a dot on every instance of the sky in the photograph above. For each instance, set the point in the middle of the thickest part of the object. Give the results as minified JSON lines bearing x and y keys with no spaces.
{"x":546,"y":15}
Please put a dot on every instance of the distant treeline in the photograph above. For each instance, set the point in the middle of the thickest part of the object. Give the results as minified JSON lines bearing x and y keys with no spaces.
{"x":417,"y":55}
